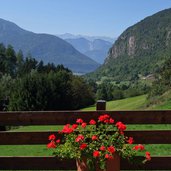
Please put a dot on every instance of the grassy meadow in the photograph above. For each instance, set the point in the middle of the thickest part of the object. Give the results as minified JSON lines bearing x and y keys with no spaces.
{"x":131,"y":103}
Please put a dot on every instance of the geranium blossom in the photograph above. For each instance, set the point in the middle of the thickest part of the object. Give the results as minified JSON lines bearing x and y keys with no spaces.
{"x":79,"y":138}
{"x":67,"y":129}
{"x":111,"y":120}
{"x":102,"y":148}
{"x":79,"y":120}
{"x":83,"y":125}
{"x":138,"y":147}
{"x":121,"y":126}
{"x":107,"y":156}
{"x":94,"y":137}
{"x":51,"y":145}
{"x":92,"y":122}
{"x":102,"y":118}
{"x":130,"y":140}
{"x":111,"y":149}
{"x":52,"y":137}
{"x":74,"y":126}
{"x":147,"y":155}
{"x":83,"y":146}
{"x":96,"y":153}
{"x":58,"y":141}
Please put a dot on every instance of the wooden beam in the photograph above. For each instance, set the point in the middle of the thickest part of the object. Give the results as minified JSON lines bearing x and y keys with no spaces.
{"x":64,"y":117}
{"x":143,"y":137}
{"x":52,"y":163}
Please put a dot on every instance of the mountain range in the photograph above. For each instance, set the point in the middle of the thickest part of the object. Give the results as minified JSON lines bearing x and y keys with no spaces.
{"x":90,"y":38}
{"x":46,"y":47}
{"x":95,"y":47}
{"x":140,"y":50}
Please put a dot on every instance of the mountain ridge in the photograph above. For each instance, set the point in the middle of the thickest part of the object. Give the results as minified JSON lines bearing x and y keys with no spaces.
{"x":48,"y":48}
{"x":96,"y":49}
{"x":140,"y":50}
{"x":90,"y":38}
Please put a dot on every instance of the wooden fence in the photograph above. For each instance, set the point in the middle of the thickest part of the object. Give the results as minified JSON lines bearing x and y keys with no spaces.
{"x":63,"y":117}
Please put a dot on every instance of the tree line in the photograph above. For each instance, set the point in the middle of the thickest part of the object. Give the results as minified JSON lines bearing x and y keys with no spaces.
{"x":27,"y":84}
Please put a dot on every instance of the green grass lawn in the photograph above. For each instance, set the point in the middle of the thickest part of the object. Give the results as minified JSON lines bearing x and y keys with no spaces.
{"x":131,"y":103}
{"x":166,"y":105}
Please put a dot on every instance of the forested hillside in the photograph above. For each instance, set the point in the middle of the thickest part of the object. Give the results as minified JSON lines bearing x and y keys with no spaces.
{"x":26,"y":84}
{"x":140,"y":50}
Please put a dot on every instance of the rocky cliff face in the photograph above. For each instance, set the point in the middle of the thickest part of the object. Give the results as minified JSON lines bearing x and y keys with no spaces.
{"x":141,"y":49}
{"x":149,"y":34}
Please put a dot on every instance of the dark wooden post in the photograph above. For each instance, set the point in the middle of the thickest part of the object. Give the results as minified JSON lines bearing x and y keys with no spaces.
{"x":101,"y":105}
{"x":2,"y":128}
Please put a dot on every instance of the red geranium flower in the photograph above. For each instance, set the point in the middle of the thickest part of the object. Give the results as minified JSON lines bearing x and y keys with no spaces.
{"x":102,"y":148}
{"x":107,"y":156}
{"x":74,"y":126}
{"x":139,"y":146}
{"x":58,"y":141}
{"x":111,"y":149}
{"x":106,"y":121}
{"x":67,"y":129}
{"x":79,"y":138}
{"x":111,"y":120}
{"x":52,"y":137}
{"x":83,"y":146}
{"x":96,"y":153}
{"x":94,"y":137}
{"x":92,"y":122}
{"x":147,"y":155}
{"x":103,"y":117}
{"x":121,"y":126}
{"x":51,"y":145}
{"x":83,"y":125}
{"x":130,"y":140}
{"x":79,"y":120}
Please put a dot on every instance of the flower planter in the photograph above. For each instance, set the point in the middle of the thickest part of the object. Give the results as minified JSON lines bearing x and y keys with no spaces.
{"x":97,"y":143}
{"x":82,"y":165}
{"x":111,"y":165}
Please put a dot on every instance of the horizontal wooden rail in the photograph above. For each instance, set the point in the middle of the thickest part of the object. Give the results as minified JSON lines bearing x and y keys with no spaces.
{"x":63,"y":117}
{"x":52,"y":163}
{"x":143,"y":137}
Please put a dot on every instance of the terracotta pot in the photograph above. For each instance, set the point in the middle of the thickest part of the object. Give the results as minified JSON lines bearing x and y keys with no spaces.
{"x":111,"y":165}
{"x":82,"y":165}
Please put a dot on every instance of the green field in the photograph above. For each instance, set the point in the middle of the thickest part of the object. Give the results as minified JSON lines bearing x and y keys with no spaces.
{"x":166,"y":105}
{"x":131,"y":103}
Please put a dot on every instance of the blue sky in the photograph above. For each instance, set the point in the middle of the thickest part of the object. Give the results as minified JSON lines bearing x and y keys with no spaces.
{"x":88,"y":17}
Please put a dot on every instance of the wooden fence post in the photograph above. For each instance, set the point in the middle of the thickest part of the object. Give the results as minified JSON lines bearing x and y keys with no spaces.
{"x":101,"y":105}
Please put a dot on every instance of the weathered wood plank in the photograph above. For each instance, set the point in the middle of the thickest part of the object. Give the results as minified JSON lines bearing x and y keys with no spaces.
{"x":52,"y":163}
{"x":143,"y":137}
{"x":63,"y":117}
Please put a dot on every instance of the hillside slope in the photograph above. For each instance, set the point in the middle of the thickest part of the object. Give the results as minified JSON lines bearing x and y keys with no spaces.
{"x":45,"y":47}
{"x":132,"y":103}
{"x":140,"y":49}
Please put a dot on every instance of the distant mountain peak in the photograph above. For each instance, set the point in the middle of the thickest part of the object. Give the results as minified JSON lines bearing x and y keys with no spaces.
{"x":90,"y":38}
{"x":48,"y":48}
{"x":96,"y":47}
